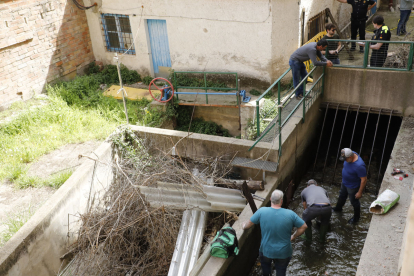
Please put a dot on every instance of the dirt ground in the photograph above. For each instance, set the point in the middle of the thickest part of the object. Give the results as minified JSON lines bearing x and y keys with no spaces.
{"x":14,"y":201}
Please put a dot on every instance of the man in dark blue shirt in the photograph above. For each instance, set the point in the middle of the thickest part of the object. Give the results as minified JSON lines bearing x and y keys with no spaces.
{"x":354,"y":179}
{"x":358,"y":18}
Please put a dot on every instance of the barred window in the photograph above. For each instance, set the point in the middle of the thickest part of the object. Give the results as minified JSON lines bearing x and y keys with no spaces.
{"x":117,"y":33}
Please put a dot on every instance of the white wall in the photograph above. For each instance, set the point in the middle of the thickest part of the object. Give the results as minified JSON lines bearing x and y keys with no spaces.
{"x":230,"y":35}
{"x":252,"y":37}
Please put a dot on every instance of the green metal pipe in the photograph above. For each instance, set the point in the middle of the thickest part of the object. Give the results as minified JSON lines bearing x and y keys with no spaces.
{"x":304,"y":101}
{"x":258,"y":140}
{"x":271,"y":86}
{"x":410,"y":58}
{"x":257,"y":119}
{"x":366,"y":54}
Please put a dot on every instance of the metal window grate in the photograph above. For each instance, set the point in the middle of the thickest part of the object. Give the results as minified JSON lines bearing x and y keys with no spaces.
{"x":117,"y":33}
{"x":317,"y":24}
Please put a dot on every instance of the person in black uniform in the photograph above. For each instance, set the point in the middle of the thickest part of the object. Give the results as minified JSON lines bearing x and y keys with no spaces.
{"x":358,"y":18}
{"x":379,"y":50}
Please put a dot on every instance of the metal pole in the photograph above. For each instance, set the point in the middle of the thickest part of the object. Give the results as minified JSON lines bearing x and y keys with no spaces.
{"x":383,"y":150}
{"x":366,"y":54}
{"x":320,"y":138}
{"x":205,"y":86}
{"x":373,"y":143}
{"x":258,"y":119}
{"x":304,"y":101}
{"x":122,"y":87}
{"x":410,"y":57}
{"x":365,"y":128}
{"x":280,"y":119}
{"x":329,"y":145}
{"x":356,"y":118}
{"x":339,"y":147}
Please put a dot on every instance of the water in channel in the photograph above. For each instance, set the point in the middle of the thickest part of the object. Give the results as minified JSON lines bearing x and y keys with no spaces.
{"x":340,"y":253}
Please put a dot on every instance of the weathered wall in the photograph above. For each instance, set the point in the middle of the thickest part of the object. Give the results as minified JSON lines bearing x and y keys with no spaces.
{"x":37,"y":247}
{"x":374,"y":88}
{"x":40,"y":41}
{"x":231,"y":35}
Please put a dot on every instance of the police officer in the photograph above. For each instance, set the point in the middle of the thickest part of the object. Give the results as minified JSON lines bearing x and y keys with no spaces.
{"x":358,"y":18}
{"x":379,"y":50}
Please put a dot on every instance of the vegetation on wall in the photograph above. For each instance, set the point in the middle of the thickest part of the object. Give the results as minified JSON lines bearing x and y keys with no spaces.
{"x":198,"y":125}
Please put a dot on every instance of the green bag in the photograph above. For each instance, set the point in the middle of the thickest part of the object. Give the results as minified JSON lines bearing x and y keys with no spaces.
{"x":225,"y":243}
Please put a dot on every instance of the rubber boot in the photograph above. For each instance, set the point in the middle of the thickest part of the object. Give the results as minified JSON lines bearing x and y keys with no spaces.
{"x":308,"y":234}
{"x":339,"y":205}
{"x":322,"y":232}
{"x":357,"y":215}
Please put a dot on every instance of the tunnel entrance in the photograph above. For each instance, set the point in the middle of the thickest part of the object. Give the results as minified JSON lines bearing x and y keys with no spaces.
{"x":372,"y":135}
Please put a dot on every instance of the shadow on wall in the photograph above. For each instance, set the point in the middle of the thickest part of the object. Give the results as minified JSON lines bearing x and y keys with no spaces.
{"x":40,"y":42}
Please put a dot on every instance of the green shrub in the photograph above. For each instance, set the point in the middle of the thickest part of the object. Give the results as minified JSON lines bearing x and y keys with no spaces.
{"x":147,"y":80}
{"x":255,"y":92}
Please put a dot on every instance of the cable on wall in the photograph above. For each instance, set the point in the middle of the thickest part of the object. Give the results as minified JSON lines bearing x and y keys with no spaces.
{"x":84,"y":8}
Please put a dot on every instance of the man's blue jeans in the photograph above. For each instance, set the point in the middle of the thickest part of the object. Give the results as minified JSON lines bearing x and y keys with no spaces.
{"x":348,"y":192}
{"x":280,"y":265}
{"x":335,"y":61}
{"x":404,"y":16}
{"x":299,"y":73}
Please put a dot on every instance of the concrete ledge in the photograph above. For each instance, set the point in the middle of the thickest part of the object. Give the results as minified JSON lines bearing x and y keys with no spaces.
{"x":374,"y":88}
{"x":35,"y":249}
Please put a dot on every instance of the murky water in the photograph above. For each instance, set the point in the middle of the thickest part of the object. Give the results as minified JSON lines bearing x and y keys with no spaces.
{"x":340,"y":254}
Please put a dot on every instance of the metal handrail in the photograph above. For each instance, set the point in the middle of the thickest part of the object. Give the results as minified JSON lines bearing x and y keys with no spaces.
{"x":281,"y":105}
{"x":366,"y":54}
{"x":205,"y":87}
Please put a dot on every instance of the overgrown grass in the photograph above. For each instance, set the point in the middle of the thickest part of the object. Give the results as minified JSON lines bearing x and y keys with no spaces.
{"x":13,"y":223}
{"x":38,"y":131}
{"x":55,"y":181}
{"x":267,"y":111}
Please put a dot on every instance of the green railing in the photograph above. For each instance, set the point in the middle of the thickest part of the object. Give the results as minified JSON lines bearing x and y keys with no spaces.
{"x":205,"y":87}
{"x":400,"y":58}
{"x":281,"y":119}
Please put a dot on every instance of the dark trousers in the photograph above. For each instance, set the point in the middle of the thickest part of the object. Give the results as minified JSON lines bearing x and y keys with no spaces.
{"x":348,"y":192}
{"x":404,"y":16}
{"x":357,"y":25}
{"x":325,"y":212}
{"x":377,"y":58}
{"x":298,"y":73}
{"x":280,"y":265}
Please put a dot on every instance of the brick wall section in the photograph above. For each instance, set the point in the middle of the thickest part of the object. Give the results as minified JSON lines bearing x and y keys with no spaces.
{"x":40,"y":41}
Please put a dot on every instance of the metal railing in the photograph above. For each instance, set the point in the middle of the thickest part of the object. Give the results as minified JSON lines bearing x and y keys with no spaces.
{"x":205,"y":87}
{"x":289,"y":104}
{"x":397,"y":57}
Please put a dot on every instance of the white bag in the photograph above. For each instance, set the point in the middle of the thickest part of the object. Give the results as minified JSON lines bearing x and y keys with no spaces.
{"x":384,"y":202}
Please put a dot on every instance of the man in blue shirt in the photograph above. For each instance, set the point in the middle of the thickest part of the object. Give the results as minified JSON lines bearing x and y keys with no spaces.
{"x":276,"y":224}
{"x":354,"y":179}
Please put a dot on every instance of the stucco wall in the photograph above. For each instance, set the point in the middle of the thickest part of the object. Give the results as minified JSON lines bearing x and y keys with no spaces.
{"x":374,"y":88}
{"x":231,"y":35}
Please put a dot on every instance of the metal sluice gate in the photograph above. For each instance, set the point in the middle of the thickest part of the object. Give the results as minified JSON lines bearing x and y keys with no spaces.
{"x":359,"y":109}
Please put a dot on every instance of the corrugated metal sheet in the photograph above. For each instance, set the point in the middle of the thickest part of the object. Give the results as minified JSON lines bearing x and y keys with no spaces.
{"x":157,"y":30}
{"x":211,"y":199}
{"x":188,"y":245}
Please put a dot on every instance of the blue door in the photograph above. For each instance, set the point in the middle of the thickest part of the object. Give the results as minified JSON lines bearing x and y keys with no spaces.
{"x":157,"y":30}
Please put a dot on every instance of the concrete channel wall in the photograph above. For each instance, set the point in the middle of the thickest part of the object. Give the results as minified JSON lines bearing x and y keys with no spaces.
{"x":374,"y":88}
{"x":37,"y":247}
{"x":296,"y":140}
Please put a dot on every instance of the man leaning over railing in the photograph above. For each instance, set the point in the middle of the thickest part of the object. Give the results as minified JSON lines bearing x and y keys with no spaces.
{"x":302,"y":54}
{"x":379,"y":50}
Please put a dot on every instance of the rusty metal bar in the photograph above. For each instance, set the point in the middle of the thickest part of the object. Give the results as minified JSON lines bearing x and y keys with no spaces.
{"x":365,"y":128}
{"x":382,"y":157}
{"x":339,"y":147}
{"x":373,"y":143}
{"x":356,"y":118}
{"x":320,"y":138}
{"x":329,"y":145}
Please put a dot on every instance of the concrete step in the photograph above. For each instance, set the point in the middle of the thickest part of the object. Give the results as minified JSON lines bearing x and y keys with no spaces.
{"x":255,"y":164}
